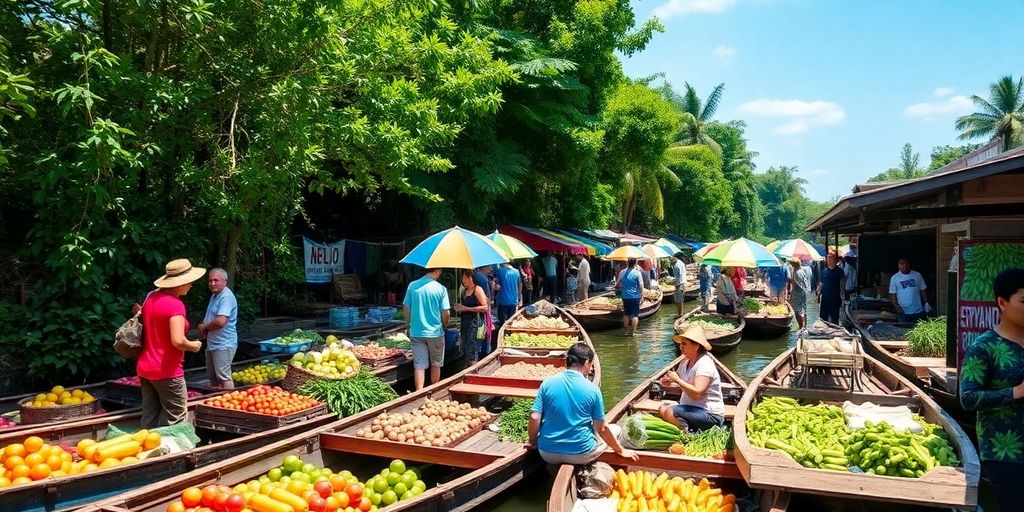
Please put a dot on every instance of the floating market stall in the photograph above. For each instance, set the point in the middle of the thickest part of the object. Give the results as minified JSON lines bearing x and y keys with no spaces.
{"x":724,"y":333}
{"x":765,"y":320}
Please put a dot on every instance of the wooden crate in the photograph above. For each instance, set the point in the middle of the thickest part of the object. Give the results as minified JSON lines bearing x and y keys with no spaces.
{"x":830,"y":359}
{"x":243,"y":422}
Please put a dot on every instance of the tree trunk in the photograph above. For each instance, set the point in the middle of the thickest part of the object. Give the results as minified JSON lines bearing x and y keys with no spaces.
{"x":231,"y":249}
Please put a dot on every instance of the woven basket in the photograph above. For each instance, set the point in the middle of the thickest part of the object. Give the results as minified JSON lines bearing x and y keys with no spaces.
{"x":296,"y":377}
{"x":35,"y":415}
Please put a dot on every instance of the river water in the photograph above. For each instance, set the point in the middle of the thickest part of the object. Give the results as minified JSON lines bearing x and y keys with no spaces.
{"x":625,"y":363}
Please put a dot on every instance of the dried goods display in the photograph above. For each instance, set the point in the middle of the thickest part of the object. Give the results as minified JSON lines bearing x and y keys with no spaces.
{"x":261,"y":399}
{"x":435,"y":423}
{"x":518,"y":339}
{"x":374,"y":351}
{"x":524,"y":370}
{"x":540,"y":322}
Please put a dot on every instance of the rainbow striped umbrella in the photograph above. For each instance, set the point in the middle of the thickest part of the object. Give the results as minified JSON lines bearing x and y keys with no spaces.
{"x":796,"y":248}
{"x":511,"y":247}
{"x":740,"y":253}
{"x":655,"y":252}
{"x":773,"y":245}
{"x":626,"y":252}
{"x":455,"y":248}
{"x":707,"y":248}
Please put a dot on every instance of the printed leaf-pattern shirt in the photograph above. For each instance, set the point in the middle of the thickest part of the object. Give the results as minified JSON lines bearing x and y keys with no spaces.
{"x":992,"y":365}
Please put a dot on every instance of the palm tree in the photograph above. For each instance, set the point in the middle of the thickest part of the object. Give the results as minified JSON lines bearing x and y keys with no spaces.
{"x":1001,"y":115}
{"x":696,"y":115}
{"x":644,"y":187}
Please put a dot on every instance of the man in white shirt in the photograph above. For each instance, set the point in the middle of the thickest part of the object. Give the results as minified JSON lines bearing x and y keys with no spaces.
{"x":907,"y":293}
{"x":679,"y":273}
{"x":583,"y":272}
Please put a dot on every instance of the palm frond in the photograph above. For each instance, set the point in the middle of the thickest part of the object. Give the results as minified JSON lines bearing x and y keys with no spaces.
{"x":1008,"y":95}
{"x":711,"y":104}
{"x":691,"y":102}
{"x":544,"y":66}
{"x":986,"y":106}
{"x":502,"y":169}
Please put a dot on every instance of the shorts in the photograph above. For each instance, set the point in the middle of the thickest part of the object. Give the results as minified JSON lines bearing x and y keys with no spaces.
{"x":799,"y":303}
{"x":678,"y":296}
{"x":579,"y":459}
{"x":696,"y":418}
{"x":725,"y":309}
{"x":427,"y":352}
{"x":218,"y":366}
{"x":631,"y":308}
{"x":775,"y":291}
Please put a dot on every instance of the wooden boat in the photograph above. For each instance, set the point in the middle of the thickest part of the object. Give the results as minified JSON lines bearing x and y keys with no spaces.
{"x":762,"y":326}
{"x":668,"y":295}
{"x":722,"y":342}
{"x":692,"y":291}
{"x":770,"y":469}
{"x":883,"y":341}
{"x":603,"y":319}
{"x":460,"y":476}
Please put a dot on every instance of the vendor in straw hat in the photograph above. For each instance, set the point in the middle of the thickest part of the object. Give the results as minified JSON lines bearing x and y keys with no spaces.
{"x":164,"y":345}
{"x":700,"y":405}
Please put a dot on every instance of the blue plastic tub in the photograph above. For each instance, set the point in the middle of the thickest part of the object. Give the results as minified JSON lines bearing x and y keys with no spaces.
{"x":273,"y":347}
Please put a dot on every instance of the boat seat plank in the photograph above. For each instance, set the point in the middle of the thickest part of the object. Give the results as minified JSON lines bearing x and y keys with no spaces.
{"x":651,"y":406}
{"x":839,"y":396}
{"x":387,"y":449}
{"x":488,"y":442}
{"x":482,"y":389}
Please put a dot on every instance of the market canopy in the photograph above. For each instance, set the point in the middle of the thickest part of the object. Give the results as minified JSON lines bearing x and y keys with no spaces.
{"x":591,"y":250}
{"x":687,"y":243}
{"x":600,"y":248}
{"x":541,"y":241}
{"x":668,"y":245}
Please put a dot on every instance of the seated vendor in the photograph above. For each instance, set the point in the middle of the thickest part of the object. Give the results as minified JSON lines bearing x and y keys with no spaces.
{"x":568,"y":415}
{"x":700,"y":405}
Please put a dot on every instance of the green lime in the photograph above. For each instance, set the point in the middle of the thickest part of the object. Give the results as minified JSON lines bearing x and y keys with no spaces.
{"x":308,"y":469}
{"x":380,"y":485}
{"x":419,"y":484}
{"x":400,"y":488}
{"x":408,"y":479}
{"x":264,"y":479}
{"x":292,"y":463}
{"x":300,"y":476}
{"x":389,"y":498}
{"x":416,"y":491}
{"x":393,"y":478}
{"x":397,"y":466}
{"x":375,"y":498}
{"x":345,"y":474}
{"x":384,"y":472}
{"x":274,"y":474}
{"x":406,"y":496}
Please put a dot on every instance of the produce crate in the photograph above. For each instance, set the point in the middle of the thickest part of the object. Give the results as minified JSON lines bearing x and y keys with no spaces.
{"x":273,"y":347}
{"x":243,"y":422}
{"x":830,"y":359}
{"x":34,"y":415}
{"x":375,"y":363}
{"x":131,"y":396}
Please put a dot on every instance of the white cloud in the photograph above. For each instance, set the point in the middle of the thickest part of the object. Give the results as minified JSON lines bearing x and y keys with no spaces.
{"x":941,"y":92}
{"x":958,"y":104}
{"x":791,"y":128}
{"x":724,"y":52}
{"x":802,"y":114}
{"x":672,"y":8}
{"x":817,"y":172}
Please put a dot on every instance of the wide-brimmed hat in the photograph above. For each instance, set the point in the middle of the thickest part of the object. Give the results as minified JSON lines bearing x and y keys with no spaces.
{"x":177,"y":273}
{"x":695,"y":334}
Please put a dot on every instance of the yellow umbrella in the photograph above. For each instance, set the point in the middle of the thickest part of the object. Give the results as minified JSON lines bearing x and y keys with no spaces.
{"x":773,"y":245}
{"x":626,"y":252}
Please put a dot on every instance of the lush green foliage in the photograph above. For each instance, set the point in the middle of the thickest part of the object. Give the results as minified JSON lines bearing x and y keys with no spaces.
{"x":1002,"y":114}
{"x":909,"y":167}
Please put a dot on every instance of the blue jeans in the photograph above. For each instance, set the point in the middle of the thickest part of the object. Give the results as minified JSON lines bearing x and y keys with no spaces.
{"x":504,"y":313}
{"x":696,"y":418}
{"x":912,"y":318}
{"x":829,"y":311}
{"x":470,"y":345}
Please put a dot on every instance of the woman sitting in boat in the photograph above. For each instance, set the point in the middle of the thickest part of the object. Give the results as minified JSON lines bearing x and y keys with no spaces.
{"x":700,"y":405}
{"x":567,"y":422}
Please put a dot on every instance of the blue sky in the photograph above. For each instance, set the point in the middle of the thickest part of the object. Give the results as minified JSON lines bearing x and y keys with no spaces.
{"x":836,"y":87}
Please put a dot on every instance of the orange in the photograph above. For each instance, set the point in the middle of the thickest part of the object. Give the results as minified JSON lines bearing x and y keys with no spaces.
{"x":39,"y":472}
{"x":33,"y":444}
{"x":54,"y":461}
{"x":83,"y":443}
{"x":4,"y":481}
{"x":90,"y":467}
{"x":176,"y":506}
{"x":13,"y":461}
{"x":191,"y":497}
{"x":34,"y":458}
{"x":16,"y":449}
{"x":21,"y":480}
{"x":66,"y":457}
{"x":21,"y":470}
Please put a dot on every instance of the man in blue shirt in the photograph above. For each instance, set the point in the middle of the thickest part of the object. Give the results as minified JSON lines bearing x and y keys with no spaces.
{"x":220,"y":328}
{"x":426,"y":311}
{"x":830,"y":291}
{"x":568,"y":415}
{"x":510,"y":291}
{"x":778,"y":278}
{"x":631,"y":282}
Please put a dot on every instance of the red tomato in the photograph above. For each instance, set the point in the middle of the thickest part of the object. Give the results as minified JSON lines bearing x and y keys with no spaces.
{"x":355,"y":492}
{"x":323,"y":488}
{"x":210,"y":493}
{"x":221,"y":503}
{"x":234,"y":503}
{"x":343,"y":499}
{"x":192,"y":497}
{"x":318,"y":504}
{"x":364,"y":505}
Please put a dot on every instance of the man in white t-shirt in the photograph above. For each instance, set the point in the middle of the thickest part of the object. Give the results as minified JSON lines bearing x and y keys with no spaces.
{"x":583,"y":274}
{"x":907,"y":293}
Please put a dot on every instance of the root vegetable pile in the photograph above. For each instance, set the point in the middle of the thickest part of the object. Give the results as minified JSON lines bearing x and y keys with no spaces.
{"x":435,"y":423}
{"x":524,"y":370}
{"x":540,"y":322}
{"x":374,"y":351}
{"x":539,"y":340}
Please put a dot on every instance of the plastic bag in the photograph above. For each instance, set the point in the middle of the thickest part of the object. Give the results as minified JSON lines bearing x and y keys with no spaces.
{"x":900,"y":417}
{"x":183,"y":434}
{"x":595,"y":480}
{"x":595,"y":505}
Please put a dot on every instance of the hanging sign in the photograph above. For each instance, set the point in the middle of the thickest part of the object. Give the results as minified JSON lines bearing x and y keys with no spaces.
{"x":981,"y":260}
{"x":322,"y":260}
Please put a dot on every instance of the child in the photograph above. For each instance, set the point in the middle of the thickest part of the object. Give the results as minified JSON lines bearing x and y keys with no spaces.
{"x":571,"y":286}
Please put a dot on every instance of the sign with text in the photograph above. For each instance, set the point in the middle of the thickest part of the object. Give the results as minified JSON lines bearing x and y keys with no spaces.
{"x":322,"y":260}
{"x":980,"y":261}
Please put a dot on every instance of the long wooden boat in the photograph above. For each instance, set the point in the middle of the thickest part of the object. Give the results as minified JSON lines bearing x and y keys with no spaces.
{"x":762,"y":326}
{"x":692,"y":291}
{"x":73,"y":491}
{"x":883,"y":340}
{"x":460,"y":476}
{"x":603,"y":319}
{"x":722,"y":342}
{"x":770,"y":469}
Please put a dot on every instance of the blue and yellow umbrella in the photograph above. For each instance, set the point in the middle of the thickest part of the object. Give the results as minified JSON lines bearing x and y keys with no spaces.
{"x":740,"y":253}
{"x":455,"y":248}
{"x":511,"y":247}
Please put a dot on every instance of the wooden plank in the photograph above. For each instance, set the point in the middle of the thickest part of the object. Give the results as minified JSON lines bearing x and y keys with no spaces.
{"x":511,"y":382}
{"x":406,"y":451}
{"x":477,"y":389}
{"x":835,"y":395}
{"x":711,"y":468}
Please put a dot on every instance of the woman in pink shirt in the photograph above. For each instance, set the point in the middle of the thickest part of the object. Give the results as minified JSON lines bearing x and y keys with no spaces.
{"x":164,"y":345}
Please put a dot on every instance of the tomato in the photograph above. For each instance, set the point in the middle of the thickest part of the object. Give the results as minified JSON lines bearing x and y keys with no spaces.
{"x":323,"y":488}
{"x":234,"y":503}
{"x":221,"y":502}
{"x":176,"y":506}
{"x":354,"y":491}
{"x":364,"y":505}
{"x":191,"y":497}
{"x":318,"y":504}
{"x":343,"y":499}
{"x":210,"y":493}
{"x":333,"y":503}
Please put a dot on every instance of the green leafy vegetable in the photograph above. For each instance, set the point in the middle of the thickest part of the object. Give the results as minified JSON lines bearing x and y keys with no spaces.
{"x":751,"y":305}
{"x":927,"y":338}
{"x":349,"y":396}
{"x":301,"y":336}
{"x":515,"y":421}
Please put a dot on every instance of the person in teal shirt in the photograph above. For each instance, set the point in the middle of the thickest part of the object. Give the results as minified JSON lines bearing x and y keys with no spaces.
{"x":992,"y":383}
{"x":568,"y":415}
{"x":426,"y":310}
{"x":631,"y":282}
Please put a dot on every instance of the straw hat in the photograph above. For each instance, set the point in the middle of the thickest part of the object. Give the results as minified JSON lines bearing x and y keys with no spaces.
{"x":179,"y":272}
{"x":694,"y":334}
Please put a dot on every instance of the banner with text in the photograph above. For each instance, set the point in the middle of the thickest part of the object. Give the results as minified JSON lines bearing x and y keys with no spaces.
{"x":981,"y":260}
{"x":322,"y":260}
